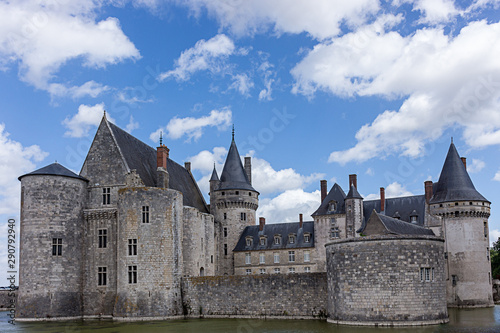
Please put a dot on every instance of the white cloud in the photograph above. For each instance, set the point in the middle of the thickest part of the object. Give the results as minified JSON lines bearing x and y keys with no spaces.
{"x":434,"y":11}
{"x":193,"y":127}
{"x":242,"y":83}
{"x":287,"y":206}
{"x":392,"y":190}
{"x":132,"y":125}
{"x":446,"y":80}
{"x":494,"y":235}
{"x":204,"y":162}
{"x":475,"y":166}
{"x":497,"y":176}
{"x":205,"y":55}
{"x":40,"y":38}
{"x":370,"y":172}
{"x":268,"y":77}
{"x":87,"y":117}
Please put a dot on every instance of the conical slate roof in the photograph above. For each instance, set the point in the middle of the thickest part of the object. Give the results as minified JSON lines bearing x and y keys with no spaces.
{"x":54,"y":169}
{"x":336,"y":194}
{"x":214,"y":175}
{"x":454,"y":183}
{"x":233,"y":175}
{"x":353,"y":193}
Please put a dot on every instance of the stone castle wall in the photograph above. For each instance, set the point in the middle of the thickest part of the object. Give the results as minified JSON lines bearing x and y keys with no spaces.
{"x":381,"y":280}
{"x":267,"y":295}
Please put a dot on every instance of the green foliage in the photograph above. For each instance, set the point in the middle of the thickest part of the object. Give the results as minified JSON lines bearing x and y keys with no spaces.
{"x":495,"y":259}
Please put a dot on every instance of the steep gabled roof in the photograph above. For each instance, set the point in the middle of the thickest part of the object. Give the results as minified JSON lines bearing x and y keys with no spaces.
{"x":54,"y":169}
{"x":233,"y":175}
{"x":272,"y":229}
{"x":336,"y":194}
{"x":395,"y":226}
{"x":214,"y":175}
{"x":404,"y":206}
{"x":454,"y":182}
{"x":353,"y":193}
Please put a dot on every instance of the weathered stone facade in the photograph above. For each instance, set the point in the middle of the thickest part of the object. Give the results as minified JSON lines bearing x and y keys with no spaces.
{"x":386,"y":280}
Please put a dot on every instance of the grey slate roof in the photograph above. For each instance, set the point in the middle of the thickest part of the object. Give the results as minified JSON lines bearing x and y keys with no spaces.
{"x":283,"y":229}
{"x":353,"y":193}
{"x":337,"y":194}
{"x":454,"y":182}
{"x":214,"y":175}
{"x":404,"y":206}
{"x":54,"y":169}
{"x":233,"y":175}
{"x":142,"y":158}
{"x":398,"y":227}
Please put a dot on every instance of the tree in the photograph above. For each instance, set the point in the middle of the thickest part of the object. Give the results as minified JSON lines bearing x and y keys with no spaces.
{"x":495,"y":259}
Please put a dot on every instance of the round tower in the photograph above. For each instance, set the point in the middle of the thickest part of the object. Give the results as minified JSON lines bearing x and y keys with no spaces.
{"x":464,"y":216}
{"x":51,"y":243}
{"x":233,"y":202}
{"x":353,"y":208}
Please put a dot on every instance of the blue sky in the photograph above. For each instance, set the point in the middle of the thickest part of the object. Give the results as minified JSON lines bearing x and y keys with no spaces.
{"x":315,"y":90}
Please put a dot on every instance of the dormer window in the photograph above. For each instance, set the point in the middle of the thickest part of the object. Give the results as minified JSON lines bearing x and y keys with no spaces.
{"x":291,"y":239}
{"x":307,"y":238}
{"x":413,"y":217}
{"x":249,"y":241}
{"x":277,"y":239}
{"x":263,"y":240}
{"x":332,"y":206}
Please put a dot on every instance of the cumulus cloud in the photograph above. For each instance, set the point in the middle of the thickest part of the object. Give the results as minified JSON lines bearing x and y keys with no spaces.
{"x":87,"y":117}
{"x":433,"y":11}
{"x":392,"y":190}
{"x":475,"y":165}
{"x":132,"y":125}
{"x":193,"y":127}
{"x":242,"y":83}
{"x":205,"y":55}
{"x":268,"y":75}
{"x":497,"y":176}
{"x":287,"y":206}
{"x":41,"y":38}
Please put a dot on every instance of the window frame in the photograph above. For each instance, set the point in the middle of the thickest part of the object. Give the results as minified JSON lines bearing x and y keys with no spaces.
{"x":102,"y":278}
{"x":248,"y":258}
{"x":132,"y":246}
{"x":132,"y":274}
{"x":102,"y":238}
{"x":106,"y":196}
{"x":291,"y":256}
{"x":145,"y":215}
{"x":57,"y":247}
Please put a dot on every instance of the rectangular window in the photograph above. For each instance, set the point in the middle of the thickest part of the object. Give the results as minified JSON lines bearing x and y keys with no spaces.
{"x":248,"y":271}
{"x":225,"y":216}
{"x":276,"y":270}
{"x":307,"y":269}
{"x":307,"y":238}
{"x":106,"y":195}
{"x":248,"y":258}
{"x":276,"y":258}
{"x":334,"y":233}
{"x":426,"y":274}
{"x":291,"y":239}
{"x":454,"y":280}
{"x":225,"y":249}
{"x":262,"y":271}
{"x":243,"y":216}
{"x":291,"y":256}
{"x":132,"y":274}
{"x":249,"y":241}
{"x":291,"y":270}
{"x":132,"y":247}
{"x":262,"y":258}
{"x":225,"y":232}
{"x":103,"y":238}
{"x":101,"y":276}
{"x":145,"y":214}
{"x":277,"y":240}
{"x":263,"y":241}
{"x":307,"y":256}
{"x":57,"y":246}
{"x":485,"y":229}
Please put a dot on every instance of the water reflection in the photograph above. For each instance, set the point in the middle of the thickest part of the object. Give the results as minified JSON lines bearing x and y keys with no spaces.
{"x":461,"y":321}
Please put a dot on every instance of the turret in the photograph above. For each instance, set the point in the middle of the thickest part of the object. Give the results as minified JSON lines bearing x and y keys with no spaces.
{"x":354,"y":208}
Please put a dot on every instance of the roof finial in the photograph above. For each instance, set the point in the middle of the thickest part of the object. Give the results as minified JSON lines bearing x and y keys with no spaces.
{"x":233,"y":132}
{"x":104,"y":114}
{"x":451,"y":139}
{"x":161,"y":137}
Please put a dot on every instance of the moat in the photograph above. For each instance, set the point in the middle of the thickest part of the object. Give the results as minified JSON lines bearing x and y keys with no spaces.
{"x":477,"y":321}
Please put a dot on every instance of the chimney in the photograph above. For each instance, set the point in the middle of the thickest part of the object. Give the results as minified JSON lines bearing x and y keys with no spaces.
{"x":323,"y":186}
{"x":353,"y":180}
{"x":464,"y":161}
{"x":187,"y":166}
{"x":248,"y":168}
{"x":301,"y":221}
{"x":262,"y":223}
{"x":382,"y":199}
{"x":161,"y":165}
{"x":428,"y":190}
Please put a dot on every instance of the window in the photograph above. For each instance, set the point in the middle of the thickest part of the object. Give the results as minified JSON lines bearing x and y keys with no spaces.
{"x":225,"y":249}
{"x":349,"y":228}
{"x":145,"y":214}
{"x":106,"y":195}
{"x":225,"y":232}
{"x":237,"y":192}
{"x":249,"y":241}
{"x":103,"y":238}
{"x":454,"y":280}
{"x":262,"y":258}
{"x":262,"y":271}
{"x":276,"y":258}
{"x":276,"y":271}
{"x":243,"y":216}
{"x":485,"y":229}
{"x":307,"y":238}
{"x":248,"y":258}
{"x":307,"y":256}
{"x":263,"y":240}
{"x":277,"y":240}
{"x":132,"y":274}
{"x":334,"y":233}
{"x":57,"y":246}
{"x":332,"y":206}
{"x":211,"y":259}
{"x":413,"y":219}
{"x":291,"y":239}
{"x":248,"y":271}
{"x":333,"y":221}
{"x":307,"y":269}
{"x":291,"y":270}
{"x":223,"y":193}
{"x":132,"y":247}
{"x":249,"y":194}
{"x":426,"y":274}
{"x":225,"y":216}
{"x":291,"y":256}
{"x":101,"y":276}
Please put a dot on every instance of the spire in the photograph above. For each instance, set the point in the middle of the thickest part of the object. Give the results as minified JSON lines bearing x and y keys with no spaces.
{"x":233,"y":174}
{"x":233,"y":134}
{"x":454,"y":182}
{"x":214,"y":175}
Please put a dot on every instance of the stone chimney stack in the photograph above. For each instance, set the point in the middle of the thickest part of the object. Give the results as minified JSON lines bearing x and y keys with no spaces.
{"x":301,"y":220}
{"x":262,"y":223}
{"x":353,"y":181}
{"x":187,"y":166}
{"x":382,"y":199}
{"x":428,"y":190}
{"x":323,"y":186}
{"x":464,"y":161}
{"x":248,"y":168}
{"x":162,"y":153}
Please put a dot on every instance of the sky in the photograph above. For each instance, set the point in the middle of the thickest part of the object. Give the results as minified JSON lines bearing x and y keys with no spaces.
{"x":316,"y":89}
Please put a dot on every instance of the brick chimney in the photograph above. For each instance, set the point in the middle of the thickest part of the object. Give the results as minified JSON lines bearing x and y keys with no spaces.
{"x":187,"y":166}
{"x":248,"y":168}
{"x":382,"y":199}
{"x":323,"y":186}
{"x":161,"y":165}
{"x":428,"y":190}
{"x":353,"y":180}
{"x":262,"y":223}
{"x":464,"y":161}
{"x":301,"y":220}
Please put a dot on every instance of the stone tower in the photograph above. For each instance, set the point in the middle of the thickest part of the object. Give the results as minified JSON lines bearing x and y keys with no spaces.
{"x":52,"y":243}
{"x":464,"y":216}
{"x":353,"y":208}
{"x":233,"y":202}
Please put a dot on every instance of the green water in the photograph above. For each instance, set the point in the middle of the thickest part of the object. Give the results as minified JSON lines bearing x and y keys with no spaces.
{"x":466,"y":321}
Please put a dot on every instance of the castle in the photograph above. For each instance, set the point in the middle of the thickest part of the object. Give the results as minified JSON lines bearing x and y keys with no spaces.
{"x":122,"y":238}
